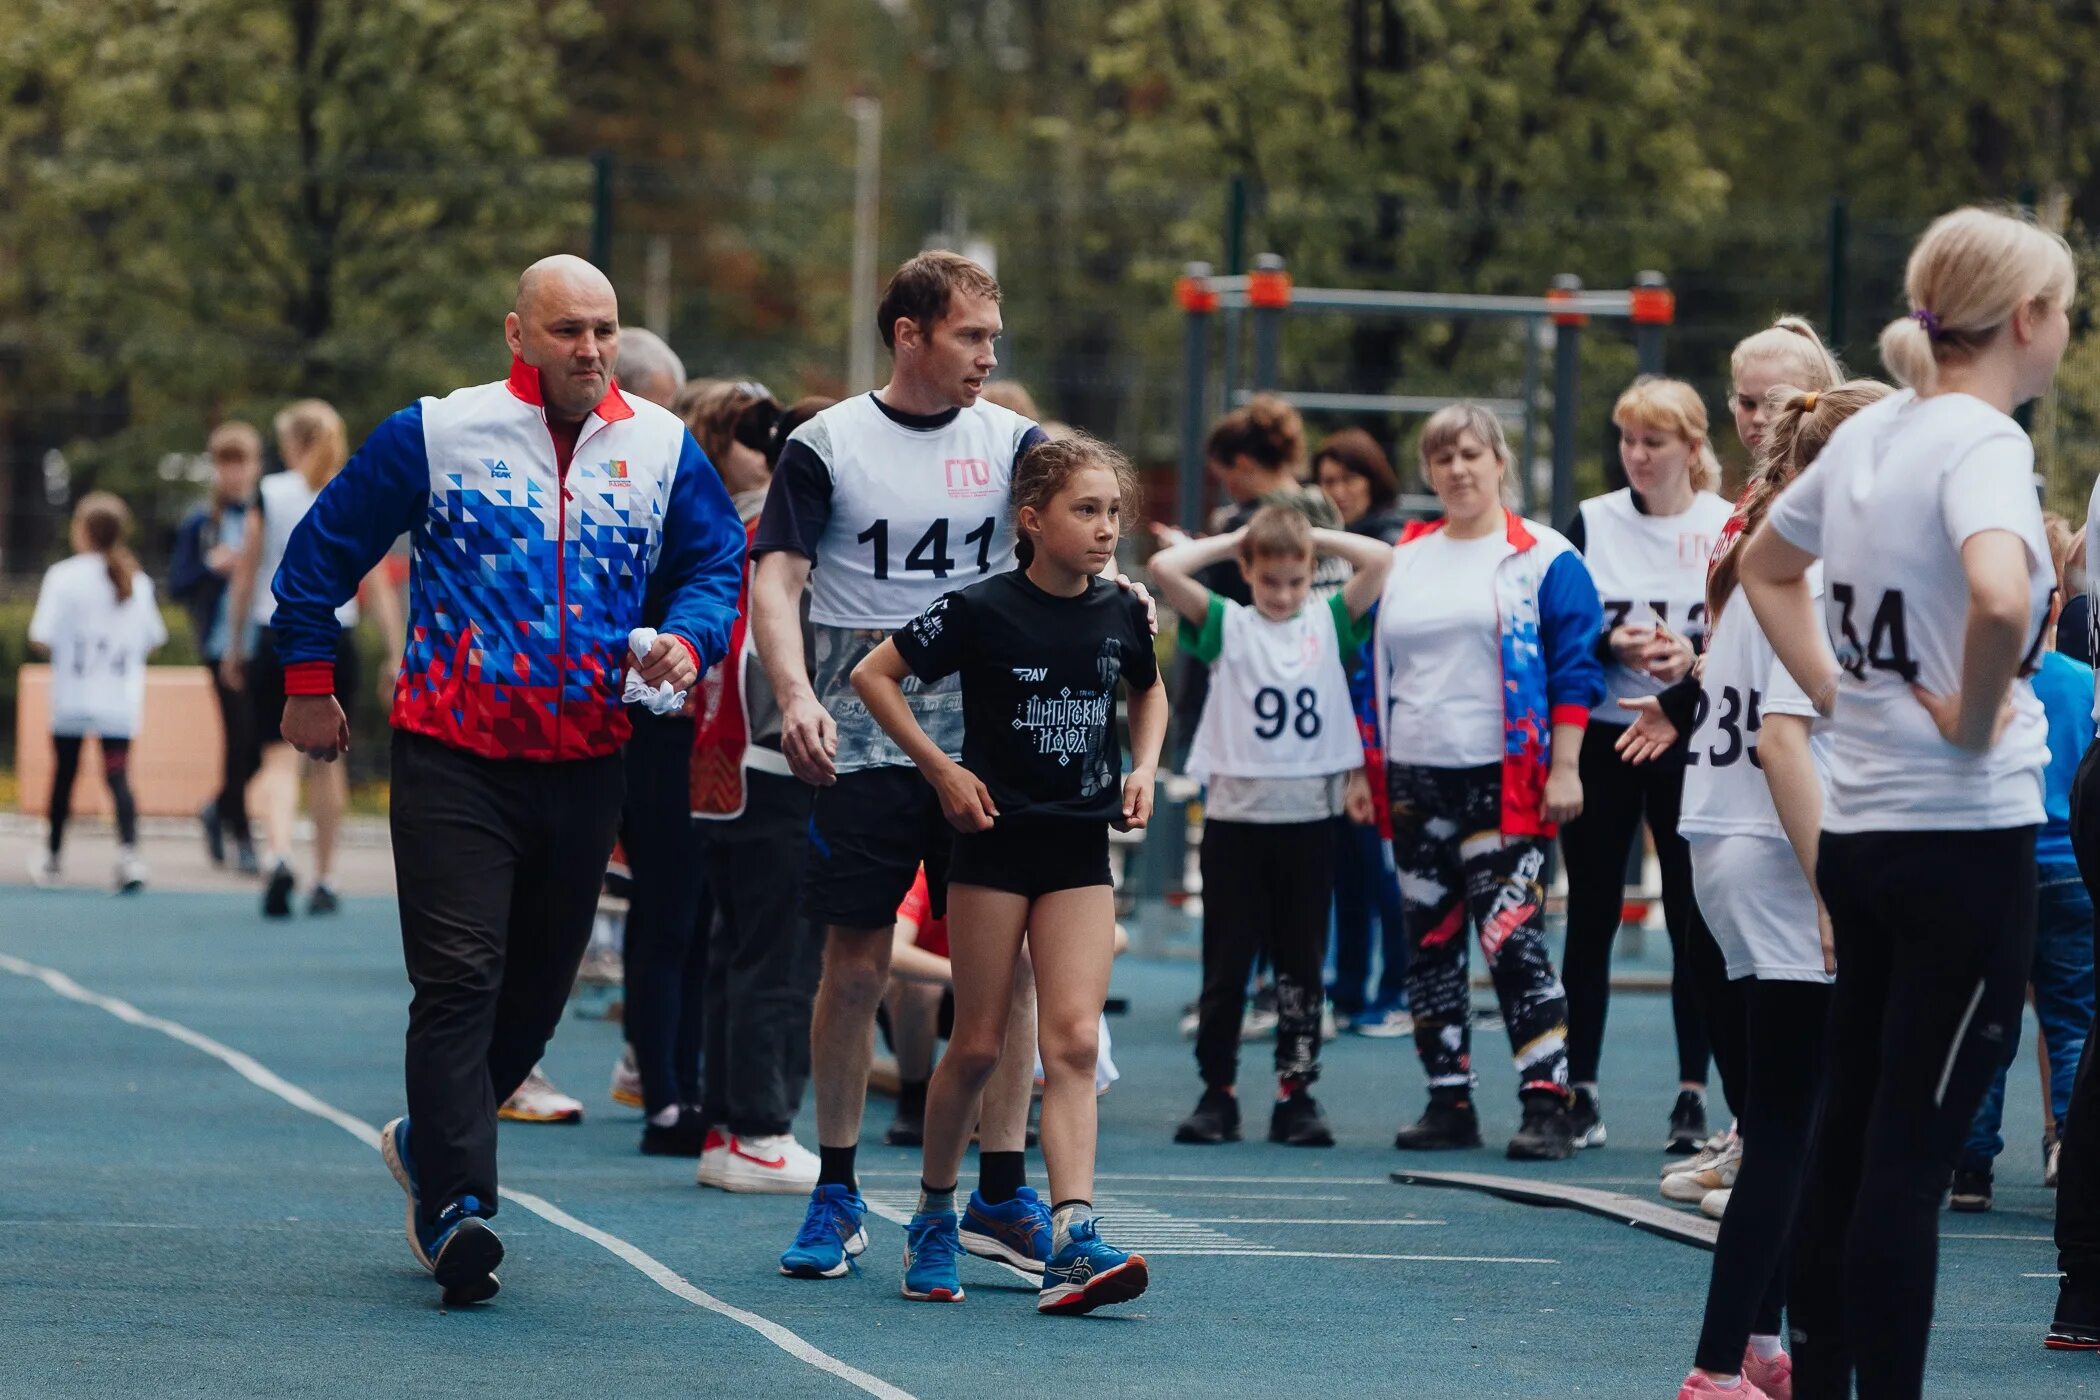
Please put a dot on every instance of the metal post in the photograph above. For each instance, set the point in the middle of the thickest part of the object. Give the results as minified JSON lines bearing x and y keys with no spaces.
{"x":1840,"y":270}
{"x":1268,"y":294}
{"x":1527,"y":488}
{"x":1654,"y":307}
{"x":1567,"y":375}
{"x":867,"y":195}
{"x":1198,"y":303}
{"x":602,"y":211}
{"x":1236,"y":225}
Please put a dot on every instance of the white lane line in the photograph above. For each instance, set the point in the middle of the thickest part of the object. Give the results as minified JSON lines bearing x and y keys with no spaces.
{"x":1197,"y":1180}
{"x":2024,"y":1239}
{"x":1294,"y":1220}
{"x":2041,"y":1275}
{"x":1323,"y":1254}
{"x":662,"y":1275}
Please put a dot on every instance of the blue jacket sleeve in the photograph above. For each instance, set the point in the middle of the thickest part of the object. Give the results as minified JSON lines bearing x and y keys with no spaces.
{"x":186,"y":571}
{"x":1569,"y":618}
{"x":353,"y":522}
{"x":701,"y":563}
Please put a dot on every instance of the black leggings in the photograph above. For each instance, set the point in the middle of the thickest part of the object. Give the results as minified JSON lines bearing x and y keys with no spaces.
{"x":1615,"y":797}
{"x":2078,"y":1185}
{"x":1934,"y":932}
{"x":669,"y":913}
{"x":1785,"y":1051}
{"x":1265,"y":889}
{"x":116,"y":757}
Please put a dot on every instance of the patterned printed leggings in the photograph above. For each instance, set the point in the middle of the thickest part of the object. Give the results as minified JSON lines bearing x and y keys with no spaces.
{"x":1454,"y":862}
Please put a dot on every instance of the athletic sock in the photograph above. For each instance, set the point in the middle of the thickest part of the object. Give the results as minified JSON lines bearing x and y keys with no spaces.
{"x":664,"y":1117}
{"x":1063,"y":1217}
{"x":1730,"y":1384}
{"x":1001,"y":1175}
{"x":911,"y":1098}
{"x":835,"y":1166}
{"x":936,"y":1200}
{"x":1766,"y":1345}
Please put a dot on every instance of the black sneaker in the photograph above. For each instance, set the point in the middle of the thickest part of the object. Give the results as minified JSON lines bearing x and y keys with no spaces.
{"x":1547,"y":1133}
{"x":244,"y":859}
{"x":1298,"y":1122}
{"x":1687,"y":1124}
{"x":2077,"y":1324}
{"x":1216,"y":1119}
{"x":683,"y":1138}
{"x":907,"y":1129}
{"x":1441,"y":1127}
{"x":214,"y":832}
{"x":277,"y":898}
{"x":1586,"y":1120}
{"x":1972,"y":1191}
{"x":322,"y":901}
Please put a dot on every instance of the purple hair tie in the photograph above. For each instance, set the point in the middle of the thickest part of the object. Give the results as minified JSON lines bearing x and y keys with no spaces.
{"x":1930,"y":322}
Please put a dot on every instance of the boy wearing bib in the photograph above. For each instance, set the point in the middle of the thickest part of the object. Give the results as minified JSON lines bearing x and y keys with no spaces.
{"x":1276,"y":744}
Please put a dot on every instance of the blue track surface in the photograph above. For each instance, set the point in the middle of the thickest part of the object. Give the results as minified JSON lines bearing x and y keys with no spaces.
{"x":168,"y":1227}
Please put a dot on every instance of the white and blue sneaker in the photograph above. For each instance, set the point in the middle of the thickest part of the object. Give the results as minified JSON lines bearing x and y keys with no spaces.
{"x":1089,"y":1273}
{"x":831,"y":1234}
{"x":931,"y":1250}
{"x":459,"y":1249}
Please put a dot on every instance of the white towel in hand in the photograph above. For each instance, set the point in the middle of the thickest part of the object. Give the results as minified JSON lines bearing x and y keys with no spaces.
{"x":660,"y":699}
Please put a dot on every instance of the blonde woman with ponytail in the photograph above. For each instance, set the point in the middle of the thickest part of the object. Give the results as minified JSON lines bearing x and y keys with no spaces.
{"x":96,"y":619}
{"x":312,"y":442}
{"x":1646,"y":546}
{"x":1937,"y":582}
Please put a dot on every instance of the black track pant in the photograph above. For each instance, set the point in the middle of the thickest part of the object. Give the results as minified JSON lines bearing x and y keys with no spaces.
{"x":762,"y":960}
{"x":116,"y":759}
{"x":664,"y":948}
{"x":1616,"y":796}
{"x":1934,"y":933}
{"x":1748,"y":1289}
{"x":241,"y":756}
{"x":497,"y":864}
{"x":2078,"y":1183}
{"x":1265,"y":889}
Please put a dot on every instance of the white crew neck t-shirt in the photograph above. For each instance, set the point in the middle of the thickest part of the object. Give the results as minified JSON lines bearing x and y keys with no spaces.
{"x":99,"y":646}
{"x":1443,"y":636}
{"x":1898,"y":490}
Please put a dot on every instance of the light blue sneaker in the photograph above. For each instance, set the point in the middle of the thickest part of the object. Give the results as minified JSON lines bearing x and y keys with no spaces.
{"x":931,"y":1252}
{"x":459,"y":1249}
{"x":1015,"y":1232}
{"x":831,"y":1234}
{"x":1089,"y":1273}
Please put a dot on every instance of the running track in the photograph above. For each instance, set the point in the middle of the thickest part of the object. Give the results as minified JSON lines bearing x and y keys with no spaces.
{"x":193,"y":1207}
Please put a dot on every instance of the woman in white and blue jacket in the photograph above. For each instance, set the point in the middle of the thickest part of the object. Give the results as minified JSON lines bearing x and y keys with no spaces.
{"x":1486,"y":675}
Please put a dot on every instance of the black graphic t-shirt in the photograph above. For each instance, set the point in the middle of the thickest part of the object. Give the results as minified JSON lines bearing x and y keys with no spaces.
{"x":1039,"y":680}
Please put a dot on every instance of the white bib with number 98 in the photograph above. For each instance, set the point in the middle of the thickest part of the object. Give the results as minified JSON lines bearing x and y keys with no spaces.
{"x":1279,"y":700}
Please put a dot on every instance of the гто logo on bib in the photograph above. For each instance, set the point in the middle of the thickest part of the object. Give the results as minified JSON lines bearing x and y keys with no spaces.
{"x":968,"y":477}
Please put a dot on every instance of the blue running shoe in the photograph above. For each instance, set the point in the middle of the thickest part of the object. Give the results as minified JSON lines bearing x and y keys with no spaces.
{"x":930,"y":1256}
{"x":1088,"y":1274}
{"x":393,"y":1150}
{"x":464,"y":1253}
{"x":1016,"y":1232}
{"x":831,"y":1234}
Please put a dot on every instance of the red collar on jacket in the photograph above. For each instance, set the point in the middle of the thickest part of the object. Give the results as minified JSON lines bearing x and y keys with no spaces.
{"x":524,"y":384}
{"x":1520,"y":539}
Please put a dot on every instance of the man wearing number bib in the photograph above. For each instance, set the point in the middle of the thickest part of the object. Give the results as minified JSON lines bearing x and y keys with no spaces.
{"x":879,"y":505}
{"x":1276,"y":743}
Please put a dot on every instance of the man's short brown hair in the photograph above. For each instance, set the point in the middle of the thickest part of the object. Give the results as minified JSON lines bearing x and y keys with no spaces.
{"x":922,"y":288}
{"x":234,"y":438}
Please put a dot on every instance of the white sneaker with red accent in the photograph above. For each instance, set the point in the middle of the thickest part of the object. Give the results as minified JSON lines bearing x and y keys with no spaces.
{"x":713,"y":1151}
{"x":627,"y":1080}
{"x":538,"y":1101}
{"x":775,"y":1165}
{"x":1697,"y":1386}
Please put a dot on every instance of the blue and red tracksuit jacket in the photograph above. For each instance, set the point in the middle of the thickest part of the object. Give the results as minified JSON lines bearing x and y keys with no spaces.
{"x":1549,"y":618}
{"x":530,"y":563}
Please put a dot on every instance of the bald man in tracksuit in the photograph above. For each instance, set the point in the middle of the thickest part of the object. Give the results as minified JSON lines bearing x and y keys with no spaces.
{"x":548,"y":515}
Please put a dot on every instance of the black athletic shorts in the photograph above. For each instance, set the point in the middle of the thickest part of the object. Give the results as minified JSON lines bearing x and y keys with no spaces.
{"x":266,"y":682}
{"x":1032,"y":858}
{"x":869,"y":833}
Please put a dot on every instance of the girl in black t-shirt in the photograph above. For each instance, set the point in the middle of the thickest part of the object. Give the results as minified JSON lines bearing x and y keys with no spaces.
{"x":1040,"y":650}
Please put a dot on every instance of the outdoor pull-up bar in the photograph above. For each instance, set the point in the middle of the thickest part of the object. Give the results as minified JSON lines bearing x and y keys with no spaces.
{"x":1267,"y":295}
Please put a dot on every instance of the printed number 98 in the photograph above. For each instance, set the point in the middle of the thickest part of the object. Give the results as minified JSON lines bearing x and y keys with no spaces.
{"x":1274,"y":713}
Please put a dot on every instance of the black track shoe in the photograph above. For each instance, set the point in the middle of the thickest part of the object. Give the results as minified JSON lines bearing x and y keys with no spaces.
{"x":323,"y":901}
{"x":277,"y":898}
{"x":2077,"y":1325}
{"x":1298,"y":1122}
{"x":1687,"y":1125}
{"x":1216,"y":1119}
{"x":465,"y":1264}
{"x":1547,"y":1133}
{"x":1586,"y":1120}
{"x":1442,"y":1127}
{"x":684,"y":1138}
{"x":907,"y":1129}
{"x":1971,"y":1194}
